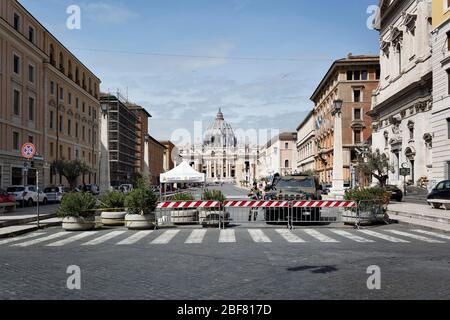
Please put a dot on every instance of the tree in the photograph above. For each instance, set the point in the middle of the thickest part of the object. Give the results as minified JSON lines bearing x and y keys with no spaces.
{"x":377,"y":165}
{"x":71,"y":170}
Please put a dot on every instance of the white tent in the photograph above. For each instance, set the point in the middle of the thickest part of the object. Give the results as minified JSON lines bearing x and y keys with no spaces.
{"x":184,"y":173}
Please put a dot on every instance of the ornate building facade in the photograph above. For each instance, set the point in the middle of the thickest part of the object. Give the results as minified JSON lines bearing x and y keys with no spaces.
{"x":220,"y":156}
{"x":402,"y":104}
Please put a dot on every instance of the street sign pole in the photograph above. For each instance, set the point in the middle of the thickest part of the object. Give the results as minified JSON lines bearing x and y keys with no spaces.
{"x":37,"y":203}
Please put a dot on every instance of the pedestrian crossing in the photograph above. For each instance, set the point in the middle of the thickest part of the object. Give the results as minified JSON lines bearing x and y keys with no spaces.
{"x":124,"y":237}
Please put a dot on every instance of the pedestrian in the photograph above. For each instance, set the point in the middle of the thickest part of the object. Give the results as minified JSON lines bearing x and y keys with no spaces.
{"x":255,"y":194}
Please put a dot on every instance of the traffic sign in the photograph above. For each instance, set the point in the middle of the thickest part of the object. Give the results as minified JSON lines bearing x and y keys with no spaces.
{"x":405,"y":172}
{"x":28,"y":150}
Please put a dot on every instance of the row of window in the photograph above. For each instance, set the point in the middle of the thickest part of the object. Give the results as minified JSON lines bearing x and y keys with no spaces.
{"x":17,"y":68}
{"x":361,"y":75}
{"x":17,"y":23}
{"x":17,"y":141}
{"x":17,"y":101}
{"x":70,"y":101}
{"x":92,"y":135}
{"x":70,"y":153}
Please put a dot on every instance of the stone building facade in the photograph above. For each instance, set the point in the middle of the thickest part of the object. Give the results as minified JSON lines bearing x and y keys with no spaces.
{"x":306,"y":146}
{"x":278,"y":155}
{"x":351,"y":80}
{"x":440,"y":115}
{"x":402,"y":104}
{"x":48,"y":97}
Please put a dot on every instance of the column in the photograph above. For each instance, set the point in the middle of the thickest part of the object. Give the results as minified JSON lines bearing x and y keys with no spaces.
{"x":337,"y":191}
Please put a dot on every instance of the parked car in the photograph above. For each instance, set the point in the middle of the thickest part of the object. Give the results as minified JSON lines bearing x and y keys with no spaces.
{"x":126,"y":188}
{"x":326,"y":187}
{"x":6,"y":197}
{"x":90,"y":188}
{"x":441,"y":191}
{"x":27,"y":195}
{"x":396,"y":193}
{"x":55,"y":194}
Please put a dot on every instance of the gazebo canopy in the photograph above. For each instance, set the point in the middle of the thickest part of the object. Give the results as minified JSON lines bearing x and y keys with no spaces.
{"x":184,"y":173}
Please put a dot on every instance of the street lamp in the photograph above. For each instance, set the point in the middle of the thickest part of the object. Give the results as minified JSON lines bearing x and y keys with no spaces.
{"x":104,"y":108}
{"x":337,"y":106}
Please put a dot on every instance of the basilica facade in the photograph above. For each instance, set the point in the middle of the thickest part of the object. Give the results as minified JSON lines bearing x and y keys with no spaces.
{"x":220,"y":156}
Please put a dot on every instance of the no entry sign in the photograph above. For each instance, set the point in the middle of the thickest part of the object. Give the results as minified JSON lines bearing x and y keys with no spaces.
{"x":28,"y":150}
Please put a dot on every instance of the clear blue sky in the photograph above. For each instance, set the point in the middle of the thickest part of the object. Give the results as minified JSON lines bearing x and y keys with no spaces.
{"x":178,"y":90}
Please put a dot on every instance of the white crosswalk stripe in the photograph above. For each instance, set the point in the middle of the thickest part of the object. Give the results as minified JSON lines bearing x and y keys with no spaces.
{"x":196,"y":237}
{"x":383,"y":236}
{"x":289,"y":236}
{"x":135,"y":237}
{"x":414,"y":236}
{"x":350,"y":236}
{"x":166,"y":237}
{"x":103,"y":238}
{"x":76,"y":237}
{"x":25,"y":237}
{"x":227,"y":236}
{"x":258,"y":236}
{"x":434,"y":234}
{"x":36,"y":241}
{"x":319,"y":236}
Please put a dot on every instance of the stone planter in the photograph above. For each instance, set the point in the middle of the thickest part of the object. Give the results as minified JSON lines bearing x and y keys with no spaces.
{"x":184,"y":217}
{"x":210,"y":219}
{"x":139,"y":222}
{"x":366,"y":217}
{"x":113,"y":218}
{"x":78,"y":223}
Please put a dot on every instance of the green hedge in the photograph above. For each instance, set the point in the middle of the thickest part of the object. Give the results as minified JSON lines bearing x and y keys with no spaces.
{"x":141,"y":201}
{"x":79,"y":204}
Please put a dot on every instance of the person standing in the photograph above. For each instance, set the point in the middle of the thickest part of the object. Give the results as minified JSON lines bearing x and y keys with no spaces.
{"x":255,"y":194}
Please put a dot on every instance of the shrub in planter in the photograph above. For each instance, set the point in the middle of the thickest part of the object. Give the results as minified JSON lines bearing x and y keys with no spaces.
{"x":184,"y":216}
{"x":141,"y":205}
{"x":78,"y":211}
{"x":114,"y":213}
{"x":372,"y":205}
{"x":209,"y":217}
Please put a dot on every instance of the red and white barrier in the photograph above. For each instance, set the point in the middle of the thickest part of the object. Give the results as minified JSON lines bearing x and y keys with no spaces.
{"x":324,"y":204}
{"x":256,"y":204}
{"x":188,"y":204}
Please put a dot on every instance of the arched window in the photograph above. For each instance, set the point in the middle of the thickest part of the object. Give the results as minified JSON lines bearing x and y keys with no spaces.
{"x":52,"y":55}
{"x":69,"y":69}
{"x":61,"y":62}
{"x":286,"y":163}
{"x":77,"y":75}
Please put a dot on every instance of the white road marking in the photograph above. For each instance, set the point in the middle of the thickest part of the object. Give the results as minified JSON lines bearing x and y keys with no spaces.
{"x":25,"y":237}
{"x":319,"y":236}
{"x":135,"y":237}
{"x":258,"y":236}
{"x":434,"y":234}
{"x":289,"y":236}
{"x":227,"y":236}
{"x":414,"y":236}
{"x":166,"y":237}
{"x":383,"y":236}
{"x":350,"y":236}
{"x":196,"y":236}
{"x":36,"y":241}
{"x":78,"y":236}
{"x":104,"y":238}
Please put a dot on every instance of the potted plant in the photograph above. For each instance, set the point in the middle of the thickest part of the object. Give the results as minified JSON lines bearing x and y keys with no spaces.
{"x":372,"y":205}
{"x":114,"y":213}
{"x":78,"y":211}
{"x":209,"y":217}
{"x":184,"y":216}
{"x":141,"y":205}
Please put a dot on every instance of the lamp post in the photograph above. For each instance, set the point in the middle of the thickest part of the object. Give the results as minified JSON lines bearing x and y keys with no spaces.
{"x":337,"y":190}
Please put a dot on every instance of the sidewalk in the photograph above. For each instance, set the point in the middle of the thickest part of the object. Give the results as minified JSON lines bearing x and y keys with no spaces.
{"x":421,"y":215}
{"x":24,"y":220}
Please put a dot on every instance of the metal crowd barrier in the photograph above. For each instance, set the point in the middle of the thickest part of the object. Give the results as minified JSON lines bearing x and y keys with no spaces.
{"x":245,"y":212}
